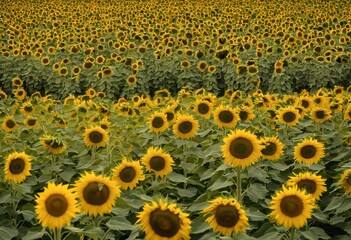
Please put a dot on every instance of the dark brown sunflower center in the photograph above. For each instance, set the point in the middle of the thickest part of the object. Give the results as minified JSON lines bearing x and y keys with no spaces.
{"x":308,"y":151}
{"x":241,"y":148}
{"x":185,"y":127}
{"x":203,"y":108}
{"x":157,"y":122}
{"x":320,"y":114}
{"x":18,"y":82}
{"x":227,"y":215}
{"x":56,"y":205}
{"x":96,"y":137}
{"x":56,"y":144}
{"x":17,"y":166}
{"x":291,"y":206}
{"x":243,"y":115}
{"x":96,"y":193}
{"x":170,"y":116}
{"x":32,"y":122}
{"x":226,"y":116}
{"x":127,"y":174}
{"x":164,"y":223}
{"x":289,"y":117}
{"x":28,"y":108}
{"x":157,"y":163}
{"x":10,"y":123}
{"x":270,"y":149}
{"x":309,"y":185}
{"x":19,"y":93}
{"x":305,"y":103}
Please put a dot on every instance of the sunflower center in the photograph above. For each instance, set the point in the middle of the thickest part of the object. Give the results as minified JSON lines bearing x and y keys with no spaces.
{"x":305,"y":103}
{"x":56,"y":205}
{"x":320,"y":114}
{"x":17,"y":166}
{"x":309,"y":185}
{"x":291,"y":206}
{"x":10,"y":123}
{"x":243,"y":115}
{"x":96,"y":137}
{"x":270,"y":149}
{"x":157,"y":163}
{"x":227,"y":215}
{"x":170,"y":116}
{"x":164,"y":223}
{"x":127,"y":174}
{"x":28,"y":108}
{"x":96,"y":193}
{"x":289,"y":117}
{"x":203,"y":108}
{"x":226,"y":116}
{"x":157,"y":122}
{"x":185,"y":127}
{"x":308,"y":151}
{"x":56,"y":145}
{"x":241,"y":148}
{"x":31,"y":122}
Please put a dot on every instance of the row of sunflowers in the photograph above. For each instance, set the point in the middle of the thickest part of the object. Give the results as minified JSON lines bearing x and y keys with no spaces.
{"x":190,"y":166}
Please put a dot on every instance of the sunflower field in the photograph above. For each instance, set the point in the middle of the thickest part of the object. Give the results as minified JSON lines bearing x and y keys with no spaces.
{"x":175,"y":120}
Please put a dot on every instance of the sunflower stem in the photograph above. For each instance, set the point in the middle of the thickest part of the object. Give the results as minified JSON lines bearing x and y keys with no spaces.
{"x":292,"y":233}
{"x":57,"y":234}
{"x":238,"y":182}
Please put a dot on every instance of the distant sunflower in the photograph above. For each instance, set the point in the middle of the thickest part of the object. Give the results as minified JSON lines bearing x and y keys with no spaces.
{"x":273,"y":148}
{"x":8,"y":124}
{"x":171,"y":117}
{"x":225,"y":116}
{"x":56,"y":206}
{"x":306,"y":102}
{"x":3,"y":95}
{"x":158,"y":122}
{"x":27,"y":109}
{"x":347,"y":113}
{"x":288,"y":115}
{"x":185,"y":126}
{"x":226,"y":216}
{"x":17,"y":167}
{"x":161,"y":221}
{"x":97,"y":194}
{"x":309,"y":151}
{"x":131,"y":80}
{"x":53,"y":145}
{"x":310,"y":182}
{"x":20,"y":94}
{"x":246,"y":114}
{"x":17,"y":82}
{"x":320,"y":114}
{"x":31,"y":122}
{"x":203,"y":108}
{"x":345,"y":181}
{"x":241,"y":148}
{"x":291,"y":207}
{"x":158,"y":161}
{"x":128,"y":173}
{"x":95,"y":137}
{"x":90,"y":92}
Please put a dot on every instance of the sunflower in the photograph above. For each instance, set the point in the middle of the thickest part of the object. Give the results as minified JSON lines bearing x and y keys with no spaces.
{"x":131,"y":80}
{"x":53,"y":145}
{"x":226,"y":216}
{"x":56,"y":206}
{"x":169,"y":111}
{"x":241,"y":148}
{"x":246,"y":114}
{"x":8,"y":124}
{"x":128,"y":173}
{"x":90,"y":92}
{"x":97,"y":194}
{"x":345,"y":181}
{"x":185,"y":126}
{"x":310,"y":182}
{"x":95,"y":137}
{"x":158,"y":122}
{"x":320,"y":114}
{"x":16,"y":82}
{"x":161,"y":221}
{"x":203,"y":108}
{"x":273,"y":148}
{"x":20,"y":94}
{"x":309,"y":151}
{"x":17,"y":167}
{"x":27,"y":109}
{"x":306,"y":102}
{"x":225,"y":116}
{"x":158,"y":161}
{"x":347,"y":113}
{"x":3,"y":95}
{"x":288,"y":115}
{"x":31,"y":122}
{"x":291,"y":207}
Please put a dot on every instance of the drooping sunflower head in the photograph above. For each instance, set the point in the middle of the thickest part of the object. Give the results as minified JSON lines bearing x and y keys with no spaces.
{"x":291,"y":207}
{"x":52,"y":144}
{"x":8,"y":124}
{"x":309,"y":151}
{"x":97,"y":194}
{"x":272,"y":148}
{"x":160,"y":220}
{"x":158,"y":161}
{"x":226,"y":216}
{"x":312,"y":183}
{"x":17,"y":167}
{"x":95,"y":137}
{"x":225,"y":116}
{"x":56,"y":206}
{"x":203,"y":108}
{"x":241,"y":149}
{"x":320,"y":114}
{"x":128,"y":173}
{"x":185,"y":126}
{"x":345,"y":181}
{"x":158,"y":122}
{"x":288,"y":115}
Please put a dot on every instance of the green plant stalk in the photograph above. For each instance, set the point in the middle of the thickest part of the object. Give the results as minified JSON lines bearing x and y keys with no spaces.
{"x":292,"y":233}
{"x":57,"y":234}
{"x":238,"y":182}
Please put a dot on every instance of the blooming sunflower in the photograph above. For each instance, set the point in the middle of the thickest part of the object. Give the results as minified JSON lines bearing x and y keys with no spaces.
{"x":27,"y":109}
{"x":291,"y":207}
{"x":226,"y":216}
{"x":241,"y":148}
{"x":158,"y":161}
{"x":246,"y":114}
{"x":306,"y":102}
{"x":320,"y":114}
{"x":161,"y":221}
{"x":203,"y":108}
{"x":97,"y":194}
{"x":158,"y":122}
{"x":185,"y":126}
{"x":128,"y":174}
{"x":345,"y":181}
{"x":56,"y":206}
{"x":309,"y":151}
{"x":310,"y":182}
{"x":8,"y":124}
{"x":17,"y":82}
{"x":288,"y":115}
{"x":17,"y":167}
{"x":31,"y":122}
{"x":53,"y":145}
{"x":225,"y":116}
{"x":273,"y":148}
{"x":95,"y":137}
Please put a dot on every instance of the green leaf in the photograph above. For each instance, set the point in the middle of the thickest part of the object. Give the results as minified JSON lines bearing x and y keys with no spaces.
{"x":335,"y":203}
{"x":27,"y":215}
{"x":189,"y":192}
{"x":7,"y":231}
{"x":120,"y":223}
{"x":5,"y":197}
{"x":177,"y":178}
{"x":258,"y":173}
{"x":34,"y":234}
{"x":67,"y":174}
{"x":257,"y":192}
{"x":315,"y":233}
{"x":270,"y":236}
{"x":220,"y":183}
{"x":199,"y":226}
{"x":256,"y":216}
